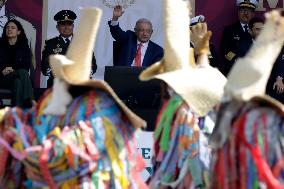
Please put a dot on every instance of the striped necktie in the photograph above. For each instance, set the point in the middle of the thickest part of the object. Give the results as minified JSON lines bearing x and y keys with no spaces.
{"x":138,"y":55}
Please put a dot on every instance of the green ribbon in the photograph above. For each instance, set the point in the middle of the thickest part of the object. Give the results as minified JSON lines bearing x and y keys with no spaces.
{"x":165,"y":122}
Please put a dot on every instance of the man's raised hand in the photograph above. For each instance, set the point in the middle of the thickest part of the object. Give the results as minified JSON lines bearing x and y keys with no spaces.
{"x":117,"y":12}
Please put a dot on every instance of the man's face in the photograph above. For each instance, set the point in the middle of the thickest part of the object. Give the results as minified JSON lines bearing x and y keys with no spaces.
{"x":256,"y":29}
{"x":245,"y":15}
{"x":65,"y":29}
{"x":143,"y":32}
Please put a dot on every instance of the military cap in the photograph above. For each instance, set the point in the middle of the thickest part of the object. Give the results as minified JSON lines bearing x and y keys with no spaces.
{"x":65,"y":16}
{"x":196,"y":20}
{"x":247,"y":3}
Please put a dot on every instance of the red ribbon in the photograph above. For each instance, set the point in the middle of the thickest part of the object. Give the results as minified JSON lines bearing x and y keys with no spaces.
{"x":263,"y":168}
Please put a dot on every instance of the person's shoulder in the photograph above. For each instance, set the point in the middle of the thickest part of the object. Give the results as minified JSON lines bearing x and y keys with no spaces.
{"x":52,"y":40}
{"x":233,"y":25}
{"x":130,"y":32}
{"x":3,"y":44}
{"x":155,"y":45}
{"x":130,"y":35}
{"x":1,"y":41}
{"x":232,"y":28}
{"x":23,"y":48}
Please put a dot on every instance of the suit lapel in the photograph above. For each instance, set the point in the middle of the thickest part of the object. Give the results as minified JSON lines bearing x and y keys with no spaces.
{"x":61,"y":40}
{"x":64,"y":46}
{"x":242,"y":32}
{"x":147,"y":54}
{"x":133,"y":50}
{"x":241,"y":29}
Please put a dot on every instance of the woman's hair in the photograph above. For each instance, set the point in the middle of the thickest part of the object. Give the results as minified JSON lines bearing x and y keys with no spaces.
{"x":22,"y":38}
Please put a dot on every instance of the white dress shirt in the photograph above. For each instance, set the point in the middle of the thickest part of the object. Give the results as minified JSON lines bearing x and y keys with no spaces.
{"x":143,"y":51}
{"x":144,"y":47}
{"x":113,"y":23}
{"x":64,"y":38}
{"x":243,"y":26}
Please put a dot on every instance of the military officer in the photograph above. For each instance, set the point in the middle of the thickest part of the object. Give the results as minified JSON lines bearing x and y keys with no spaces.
{"x":58,"y":45}
{"x":237,"y":33}
{"x":213,"y":57}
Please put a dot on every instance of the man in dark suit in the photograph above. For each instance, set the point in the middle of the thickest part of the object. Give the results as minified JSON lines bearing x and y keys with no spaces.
{"x":135,"y":48}
{"x":255,"y":26}
{"x":59,"y":45}
{"x":275,"y":85}
{"x":236,"y":34}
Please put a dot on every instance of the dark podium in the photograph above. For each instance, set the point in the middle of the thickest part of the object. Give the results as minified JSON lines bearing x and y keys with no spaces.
{"x":142,"y":97}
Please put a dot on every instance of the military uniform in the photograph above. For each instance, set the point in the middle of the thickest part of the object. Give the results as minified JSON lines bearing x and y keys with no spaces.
{"x":233,"y":44}
{"x":59,"y":45}
{"x":56,"y":45}
{"x":236,"y":39}
{"x":213,"y":56}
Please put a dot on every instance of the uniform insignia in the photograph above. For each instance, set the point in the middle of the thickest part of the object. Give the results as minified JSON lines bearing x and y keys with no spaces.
{"x":57,"y":50}
{"x":210,"y":56}
{"x":236,"y":37}
{"x":230,"y":56}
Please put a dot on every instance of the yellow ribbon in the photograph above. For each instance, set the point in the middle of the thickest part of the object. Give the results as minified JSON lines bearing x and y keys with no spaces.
{"x":117,"y":165}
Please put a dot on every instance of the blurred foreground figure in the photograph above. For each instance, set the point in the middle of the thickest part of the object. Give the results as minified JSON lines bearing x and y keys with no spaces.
{"x":182,"y":155}
{"x":248,"y":137}
{"x":79,"y":135}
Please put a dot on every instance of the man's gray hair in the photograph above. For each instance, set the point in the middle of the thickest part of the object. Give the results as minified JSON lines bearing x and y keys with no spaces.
{"x":143,"y":20}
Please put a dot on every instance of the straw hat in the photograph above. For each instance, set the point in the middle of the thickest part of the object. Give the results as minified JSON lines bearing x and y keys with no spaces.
{"x":201,"y":88}
{"x":249,"y":75}
{"x":75,"y":67}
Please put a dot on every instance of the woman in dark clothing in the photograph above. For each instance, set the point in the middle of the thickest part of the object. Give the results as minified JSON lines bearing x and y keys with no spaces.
{"x":15,"y":62}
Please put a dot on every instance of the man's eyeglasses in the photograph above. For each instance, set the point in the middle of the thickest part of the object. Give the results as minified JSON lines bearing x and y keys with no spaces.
{"x":246,"y":10}
{"x":145,"y":30}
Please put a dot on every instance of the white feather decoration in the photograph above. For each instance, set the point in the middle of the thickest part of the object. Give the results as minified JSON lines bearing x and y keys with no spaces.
{"x":60,"y":98}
